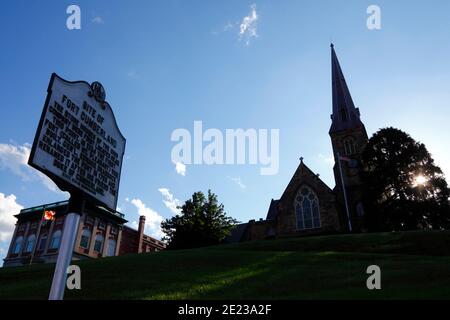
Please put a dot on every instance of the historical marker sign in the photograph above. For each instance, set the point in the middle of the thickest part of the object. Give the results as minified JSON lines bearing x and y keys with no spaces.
{"x":77,"y":143}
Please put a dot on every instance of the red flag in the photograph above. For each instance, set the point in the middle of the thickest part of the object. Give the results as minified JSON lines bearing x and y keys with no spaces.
{"x":49,"y":215}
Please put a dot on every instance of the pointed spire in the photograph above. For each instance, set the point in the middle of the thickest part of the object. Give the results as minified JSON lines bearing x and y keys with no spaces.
{"x":345,"y":115}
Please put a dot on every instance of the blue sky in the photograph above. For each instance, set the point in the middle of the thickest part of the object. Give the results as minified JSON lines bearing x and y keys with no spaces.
{"x":165,"y":64}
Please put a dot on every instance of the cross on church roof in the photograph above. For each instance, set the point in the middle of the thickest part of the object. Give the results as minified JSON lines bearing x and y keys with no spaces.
{"x":301,"y":159}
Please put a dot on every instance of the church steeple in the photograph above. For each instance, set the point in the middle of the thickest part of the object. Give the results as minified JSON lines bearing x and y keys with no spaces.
{"x":349,"y":139}
{"x":345,"y":115}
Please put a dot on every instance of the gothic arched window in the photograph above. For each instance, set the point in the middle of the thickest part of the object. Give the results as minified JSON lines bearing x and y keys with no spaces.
{"x":349,"y":146}
{"x":307,"y":209}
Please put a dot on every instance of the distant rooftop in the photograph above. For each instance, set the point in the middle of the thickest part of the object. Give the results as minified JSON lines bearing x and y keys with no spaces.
{"x":45,"y":206}
{"x":65,"y":203}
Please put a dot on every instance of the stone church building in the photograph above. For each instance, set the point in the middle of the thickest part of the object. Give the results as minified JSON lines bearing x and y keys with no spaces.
{"x":308,"y":205}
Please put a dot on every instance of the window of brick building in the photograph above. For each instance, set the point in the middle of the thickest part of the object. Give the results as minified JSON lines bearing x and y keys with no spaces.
{"x":85,"y":238}
{"x":30,"y":243}
{"x":17,"y":245}
{"x":111,"y":248}
{"x":89,"y":220}
{"x":42,"y":242}
{"x":56,"y":239}
{"x":98,"y":242}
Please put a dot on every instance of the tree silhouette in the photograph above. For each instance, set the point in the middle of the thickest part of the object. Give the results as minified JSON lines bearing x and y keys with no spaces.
{"x":405,"y":190}
{"x":202,"y":222}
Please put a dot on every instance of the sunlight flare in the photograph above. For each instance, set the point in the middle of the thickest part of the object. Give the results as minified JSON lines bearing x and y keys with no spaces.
{"x":420,"y":180}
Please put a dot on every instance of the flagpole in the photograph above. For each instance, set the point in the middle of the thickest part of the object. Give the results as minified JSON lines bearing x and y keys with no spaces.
{"x":36,"y":243}
{"x":345,"y":193}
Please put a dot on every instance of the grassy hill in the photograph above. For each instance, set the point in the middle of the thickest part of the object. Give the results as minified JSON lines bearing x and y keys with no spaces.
{"x":413,"y":265}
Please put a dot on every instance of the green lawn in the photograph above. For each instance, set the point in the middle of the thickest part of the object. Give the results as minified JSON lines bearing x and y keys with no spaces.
{"x":413,"y":264}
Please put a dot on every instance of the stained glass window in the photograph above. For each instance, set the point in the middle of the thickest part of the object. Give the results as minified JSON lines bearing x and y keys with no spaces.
{"x":307,"y":209}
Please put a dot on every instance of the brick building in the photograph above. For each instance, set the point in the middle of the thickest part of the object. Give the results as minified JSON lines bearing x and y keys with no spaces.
{"x":101,"y":233}
{"x":308,"y":205}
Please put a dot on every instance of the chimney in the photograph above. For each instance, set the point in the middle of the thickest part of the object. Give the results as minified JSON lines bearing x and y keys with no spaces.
{"x":141,"y":232}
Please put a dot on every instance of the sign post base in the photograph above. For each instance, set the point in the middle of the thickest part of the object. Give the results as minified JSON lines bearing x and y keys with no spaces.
{"x":65,"y":252}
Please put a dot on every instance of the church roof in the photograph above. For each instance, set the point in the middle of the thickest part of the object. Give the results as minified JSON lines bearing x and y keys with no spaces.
{"x":345,"y":115}
{"x":273,"y":210}
{"x":236,"y":233}
{"x":302,"y":170}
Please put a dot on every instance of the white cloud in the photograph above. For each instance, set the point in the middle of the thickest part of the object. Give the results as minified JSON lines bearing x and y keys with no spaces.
{"x":228,"y":26}
{"x":49,"y":183}
{"x":239,"y":182}
{"x":327,"y":159}
{"x":152,"y":218}
{"x":8,"y":208}
{"x":98,"y":20}
{"x":170,"y":201}
{"x":134,"y":225}
{"x":180,"y":168}
{"x":248,"y":26}
{"x":15,"y":159}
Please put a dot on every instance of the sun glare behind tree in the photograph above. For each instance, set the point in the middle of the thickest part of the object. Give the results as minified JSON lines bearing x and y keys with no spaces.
{"x":420,"y":180}
{"x":404,"y":188}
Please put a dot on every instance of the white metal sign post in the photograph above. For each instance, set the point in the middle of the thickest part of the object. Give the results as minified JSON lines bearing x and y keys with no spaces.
{"x":80,"y":147}
{"x":64,"y":256}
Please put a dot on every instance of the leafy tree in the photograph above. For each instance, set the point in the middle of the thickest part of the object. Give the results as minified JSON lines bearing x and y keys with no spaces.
{"x":405,"y":190}
{"x":202,"y":222}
